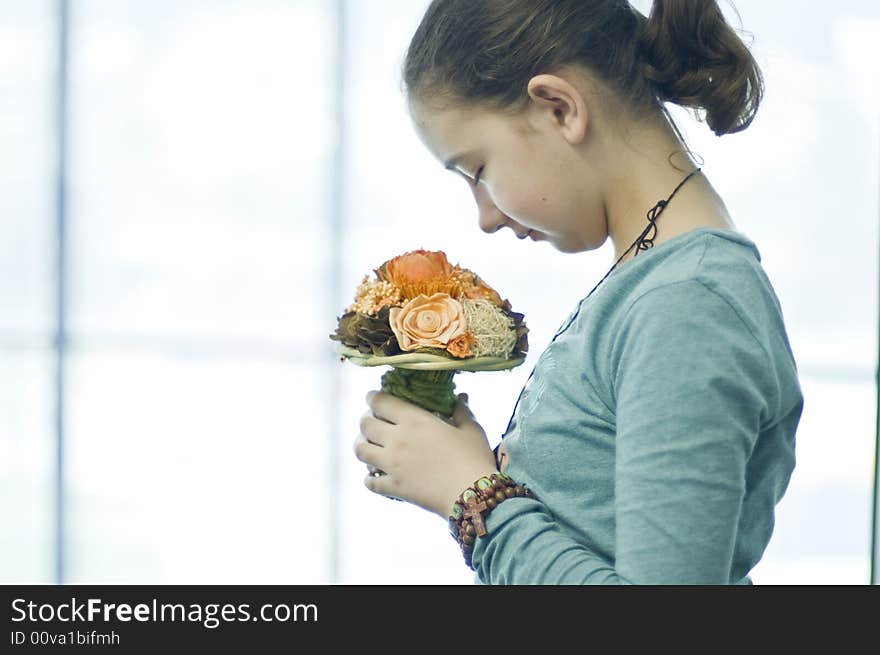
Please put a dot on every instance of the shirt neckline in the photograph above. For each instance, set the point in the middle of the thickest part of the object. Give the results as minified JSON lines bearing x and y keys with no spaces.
{"x":724,"y":233}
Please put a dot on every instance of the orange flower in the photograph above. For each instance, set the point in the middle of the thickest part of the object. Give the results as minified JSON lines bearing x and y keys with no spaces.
{"x":415,"y":266}
{"x":422,"y":272}
{"x":476,"y":288}
{"x":427,"y":321}
{"x":461,"y":345}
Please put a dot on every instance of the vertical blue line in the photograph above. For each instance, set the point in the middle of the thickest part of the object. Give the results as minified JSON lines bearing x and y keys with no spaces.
{"x":60,"y":281}
{"x":336,"y":233}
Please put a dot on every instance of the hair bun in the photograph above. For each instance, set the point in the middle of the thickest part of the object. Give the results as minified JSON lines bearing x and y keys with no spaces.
{"x":694,"y":58}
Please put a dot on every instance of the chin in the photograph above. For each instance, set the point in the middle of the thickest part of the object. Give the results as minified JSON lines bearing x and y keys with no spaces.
{"x":568,"y":245}
{"x":572,"y":244}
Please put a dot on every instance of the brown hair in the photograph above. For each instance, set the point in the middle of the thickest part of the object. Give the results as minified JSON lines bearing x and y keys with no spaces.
{"x":485,"y":51}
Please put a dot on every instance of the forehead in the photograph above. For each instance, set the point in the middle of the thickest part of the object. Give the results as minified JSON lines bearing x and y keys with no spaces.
{"x":443,"y":125}
{"x":450,"y":131}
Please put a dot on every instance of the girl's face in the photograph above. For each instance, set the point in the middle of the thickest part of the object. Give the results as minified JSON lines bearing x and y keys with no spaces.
{"x":523,"y":172}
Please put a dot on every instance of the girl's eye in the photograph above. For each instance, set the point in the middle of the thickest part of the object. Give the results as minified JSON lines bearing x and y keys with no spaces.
{"x":477,"y":175}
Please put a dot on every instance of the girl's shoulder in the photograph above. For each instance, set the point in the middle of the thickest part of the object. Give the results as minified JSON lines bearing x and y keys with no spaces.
{"x":726,"y":262}
{"x":707,"y":282}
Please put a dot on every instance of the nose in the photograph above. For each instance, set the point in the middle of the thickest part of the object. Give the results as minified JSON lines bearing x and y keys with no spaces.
{"x":491,"y":218}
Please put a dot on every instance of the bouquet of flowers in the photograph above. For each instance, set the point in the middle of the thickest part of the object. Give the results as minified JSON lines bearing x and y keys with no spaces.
{"x":428,"y":319}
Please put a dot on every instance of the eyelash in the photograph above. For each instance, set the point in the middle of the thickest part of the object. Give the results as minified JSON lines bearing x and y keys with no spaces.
{"x":477,"y":175}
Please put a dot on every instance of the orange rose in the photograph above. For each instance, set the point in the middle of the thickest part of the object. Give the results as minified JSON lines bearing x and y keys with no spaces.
{"x":427,"y":321}
{"x":416,"y":266}
{"x":461,"y":345}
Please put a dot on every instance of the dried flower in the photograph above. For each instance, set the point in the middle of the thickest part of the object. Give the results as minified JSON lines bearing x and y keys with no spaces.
{"x":373,"y":295}
{"x":423,"y":272}
{"x":367,"y":333}
{"x":461,"y":345}
{"x":475,"y":287}
{"x":427,"y":321}
{"x":415,"y":266}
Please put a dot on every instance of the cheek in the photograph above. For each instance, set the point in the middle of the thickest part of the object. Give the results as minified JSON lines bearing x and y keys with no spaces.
{"x":530,"y":200}
{"x":542,"y":207}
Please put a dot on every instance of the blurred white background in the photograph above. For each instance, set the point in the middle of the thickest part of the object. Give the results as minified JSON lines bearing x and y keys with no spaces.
{"x":232,"y":169}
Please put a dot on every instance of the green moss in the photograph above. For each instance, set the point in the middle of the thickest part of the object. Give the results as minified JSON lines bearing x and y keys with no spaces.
{"x":431,"y":390}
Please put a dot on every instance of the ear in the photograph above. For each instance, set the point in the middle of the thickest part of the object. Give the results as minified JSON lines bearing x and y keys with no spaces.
{"x":565,"y":104}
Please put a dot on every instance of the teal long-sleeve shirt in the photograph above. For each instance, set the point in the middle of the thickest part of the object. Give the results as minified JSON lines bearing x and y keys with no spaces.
{"x":657,"y":432}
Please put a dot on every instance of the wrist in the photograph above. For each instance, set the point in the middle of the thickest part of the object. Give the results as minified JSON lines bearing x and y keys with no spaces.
{"x":465,"y":482}
{"x":466,"y":521}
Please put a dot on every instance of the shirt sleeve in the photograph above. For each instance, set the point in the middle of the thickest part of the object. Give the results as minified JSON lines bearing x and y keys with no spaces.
{"x":691,"y":387}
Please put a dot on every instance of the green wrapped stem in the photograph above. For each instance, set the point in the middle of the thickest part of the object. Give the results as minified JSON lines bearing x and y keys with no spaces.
{"x":431,"y":390}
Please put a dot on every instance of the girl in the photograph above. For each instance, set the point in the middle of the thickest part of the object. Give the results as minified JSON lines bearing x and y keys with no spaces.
{"x":657,"y":431}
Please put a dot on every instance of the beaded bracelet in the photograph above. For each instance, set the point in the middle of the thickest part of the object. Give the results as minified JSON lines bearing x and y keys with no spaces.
{"x":466,"y":521}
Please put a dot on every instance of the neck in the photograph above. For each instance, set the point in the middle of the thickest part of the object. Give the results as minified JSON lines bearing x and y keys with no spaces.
{"x":645,"y":173}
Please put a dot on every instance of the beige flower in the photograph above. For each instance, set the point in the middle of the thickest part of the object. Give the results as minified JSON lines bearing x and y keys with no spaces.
{"x":427,"y":321}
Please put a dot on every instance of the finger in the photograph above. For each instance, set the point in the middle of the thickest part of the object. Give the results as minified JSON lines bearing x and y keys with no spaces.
{"x":388,"y":407}
{"x":372,"y":411}
{"x":382,"y":485}
{"x":375,"y":429}
{"x":369,"y":453}
{"x":461,"y":414}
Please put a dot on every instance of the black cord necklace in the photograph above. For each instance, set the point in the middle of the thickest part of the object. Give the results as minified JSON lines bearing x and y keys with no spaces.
{"x":644,"y":242}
